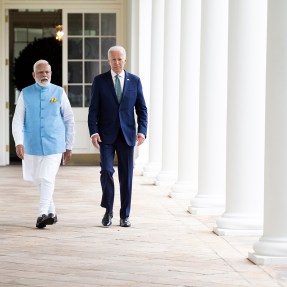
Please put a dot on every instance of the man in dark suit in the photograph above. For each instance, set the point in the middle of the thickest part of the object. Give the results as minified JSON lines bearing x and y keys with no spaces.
{"x":116,"y":96}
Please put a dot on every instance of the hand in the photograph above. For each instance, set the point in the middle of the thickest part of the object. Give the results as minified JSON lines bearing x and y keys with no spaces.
{"x":140,"y":139}
{"x":96,"y":139}
{"x":20,"y":151}
{"x":67,"y":156}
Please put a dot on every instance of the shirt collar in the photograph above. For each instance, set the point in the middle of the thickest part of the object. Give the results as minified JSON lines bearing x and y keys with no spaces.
{"x":121,"y":75}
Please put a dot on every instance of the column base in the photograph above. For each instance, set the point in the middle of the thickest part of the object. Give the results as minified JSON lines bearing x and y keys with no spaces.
{"x":266,"y":260}
{"x":206,"y":205}
{"x":165,"y":178}
{"x":152,"y":169}
{"x":230,"y":232}
{"x":237,"y":224}
{"x":182,"y":189}
{"x":271,"y":247}
{"x":139,"y":165}
{"x":205,"y":210}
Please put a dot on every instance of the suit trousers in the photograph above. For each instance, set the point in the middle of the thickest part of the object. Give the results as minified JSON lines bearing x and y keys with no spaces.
{"x":125,"y":155}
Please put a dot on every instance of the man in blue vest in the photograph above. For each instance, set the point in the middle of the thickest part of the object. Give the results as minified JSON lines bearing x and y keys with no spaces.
{"x":43,"y":131}
{"x":116,"y":97}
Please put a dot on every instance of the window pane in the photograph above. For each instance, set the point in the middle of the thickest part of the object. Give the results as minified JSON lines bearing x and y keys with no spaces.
{"x":91,"y":70}
{"x":91,"y":48}
{"x":18,"y":47}
{"x":105,"y":67}
{"x":91,"y":24}
{"x":75,"y":49}
{"x":20,"y":35}
{"x":75,"y":96}
{"x":106,"y":44}
{"x":75,"y":24}
{"x":34,"y":34}
{"x":49,"y":32}
{"x":108,"y":24}
{"x":87,"y":95}
{"x":75,"y":72}
{"x":90,"y":35}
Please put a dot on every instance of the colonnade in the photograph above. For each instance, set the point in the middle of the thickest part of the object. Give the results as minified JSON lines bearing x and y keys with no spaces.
{"x":218,"y":120}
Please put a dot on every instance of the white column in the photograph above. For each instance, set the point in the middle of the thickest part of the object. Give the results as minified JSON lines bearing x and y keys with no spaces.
{"x":272,"y":246}
{"x":156,"y":90}
{"x":186,"y":184}
{"x":168,"y":173}
{"x":212,"y":108}
{"x":133,"y":36}
{"x":145,"y":8}
{"x":4,"y":89}
{"x":245,"y":118}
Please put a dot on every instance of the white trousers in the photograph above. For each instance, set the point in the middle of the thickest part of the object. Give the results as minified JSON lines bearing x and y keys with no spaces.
{"x":42,"y":171}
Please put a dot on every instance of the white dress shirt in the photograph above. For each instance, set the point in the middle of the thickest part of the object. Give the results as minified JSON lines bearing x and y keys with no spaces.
{"x":121,"y":77}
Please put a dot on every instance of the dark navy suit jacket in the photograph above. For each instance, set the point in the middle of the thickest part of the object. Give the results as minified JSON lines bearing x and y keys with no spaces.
{"x":106,"y":115}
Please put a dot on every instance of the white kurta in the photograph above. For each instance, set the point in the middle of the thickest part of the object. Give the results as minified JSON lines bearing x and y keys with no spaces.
{"x":35,"y":167}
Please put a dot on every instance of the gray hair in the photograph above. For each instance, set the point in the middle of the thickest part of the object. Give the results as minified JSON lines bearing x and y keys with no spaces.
{"x":39,"y":62}
{"x":117,"y":49}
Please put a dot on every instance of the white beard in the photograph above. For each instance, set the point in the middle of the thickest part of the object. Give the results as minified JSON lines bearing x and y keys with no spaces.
{"x":43,"y":84}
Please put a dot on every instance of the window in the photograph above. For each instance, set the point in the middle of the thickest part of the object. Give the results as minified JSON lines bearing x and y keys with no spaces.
{"x":90,"y":35}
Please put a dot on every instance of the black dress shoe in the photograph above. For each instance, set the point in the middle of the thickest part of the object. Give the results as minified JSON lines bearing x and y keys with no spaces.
{"x":107,"y":219}
{"x":52,"y":219}
{"x":125,"y":222}
{"x":42,"y":221}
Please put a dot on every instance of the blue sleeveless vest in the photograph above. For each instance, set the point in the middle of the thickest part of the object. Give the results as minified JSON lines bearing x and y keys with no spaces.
{"x":44,"y":129}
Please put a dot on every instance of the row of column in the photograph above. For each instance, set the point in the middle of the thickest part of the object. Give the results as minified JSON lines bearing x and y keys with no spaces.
{"x":218,"y":118}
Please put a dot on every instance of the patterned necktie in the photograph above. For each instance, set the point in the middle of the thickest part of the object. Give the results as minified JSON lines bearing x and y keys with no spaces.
{"x":118,"y":88}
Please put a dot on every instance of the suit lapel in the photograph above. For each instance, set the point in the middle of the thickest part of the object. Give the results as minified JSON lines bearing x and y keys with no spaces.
{"x":110,"y":85}
{"x":126,"y":83}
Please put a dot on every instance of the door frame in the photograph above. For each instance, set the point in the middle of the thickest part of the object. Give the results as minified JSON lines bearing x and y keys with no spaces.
{"x":122,"y":6}
{"x":84,"y":153}
{"x":19,"y":20}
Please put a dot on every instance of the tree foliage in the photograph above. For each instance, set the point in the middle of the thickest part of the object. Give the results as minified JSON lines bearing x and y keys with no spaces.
{"x":48,"y":49}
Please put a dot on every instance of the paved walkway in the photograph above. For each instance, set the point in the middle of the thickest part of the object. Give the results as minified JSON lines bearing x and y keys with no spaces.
{"x":166,"y":246}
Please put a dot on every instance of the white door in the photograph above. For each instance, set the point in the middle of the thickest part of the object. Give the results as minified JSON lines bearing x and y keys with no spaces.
{"x":88,"y":36}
